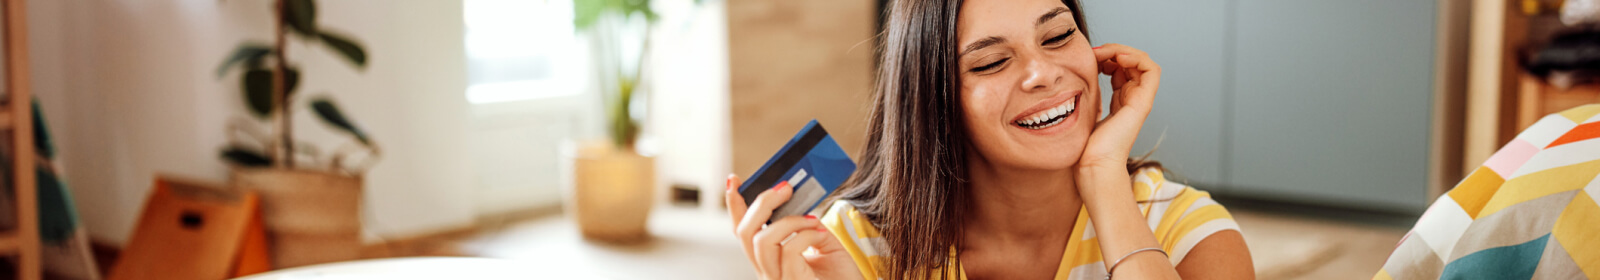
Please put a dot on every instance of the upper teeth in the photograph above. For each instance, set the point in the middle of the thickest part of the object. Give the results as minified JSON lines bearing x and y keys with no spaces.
{"x":1041,"y":117}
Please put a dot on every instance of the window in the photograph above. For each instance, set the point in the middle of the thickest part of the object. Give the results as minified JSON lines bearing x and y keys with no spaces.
{"x":522,"y":49}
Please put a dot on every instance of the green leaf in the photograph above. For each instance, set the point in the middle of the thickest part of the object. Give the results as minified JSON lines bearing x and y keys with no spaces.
{"x":586,"y":12}
{"x":624,"y":129}
{"x":257,"y":88}
{"x":641,"y":7}
{"x":301,"y":15}
{"x":246,"y":52}
{"x":330,"y":114}
{"x":349,"y":49}
{"x":246,"y":157}
{"x":291,"y":79}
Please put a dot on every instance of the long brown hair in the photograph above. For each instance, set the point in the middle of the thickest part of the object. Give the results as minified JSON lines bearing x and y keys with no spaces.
{"x":912,"y":182}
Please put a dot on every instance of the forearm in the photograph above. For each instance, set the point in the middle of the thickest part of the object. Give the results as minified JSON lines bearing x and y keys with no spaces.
{"x":1118,"y":224}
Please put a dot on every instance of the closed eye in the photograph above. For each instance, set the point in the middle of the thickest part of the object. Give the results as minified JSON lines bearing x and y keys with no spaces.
{"x":1059,"y":40}
{"x":990,"y":66}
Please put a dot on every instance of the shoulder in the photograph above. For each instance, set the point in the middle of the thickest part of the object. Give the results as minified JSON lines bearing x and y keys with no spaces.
{"x":1180,"y":216}
{"x":859,"y":237}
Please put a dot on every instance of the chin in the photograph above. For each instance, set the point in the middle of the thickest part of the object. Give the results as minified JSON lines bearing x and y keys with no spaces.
{"x":1060,"y":155}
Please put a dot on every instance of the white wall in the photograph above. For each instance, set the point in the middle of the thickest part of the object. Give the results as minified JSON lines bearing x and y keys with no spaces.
{"x":514,"y":144}
{"x":688,"y":121}
{"x":130,"y":92}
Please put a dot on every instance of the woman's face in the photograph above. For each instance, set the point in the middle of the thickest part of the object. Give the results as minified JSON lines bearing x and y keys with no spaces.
{"x":1028,"y":82}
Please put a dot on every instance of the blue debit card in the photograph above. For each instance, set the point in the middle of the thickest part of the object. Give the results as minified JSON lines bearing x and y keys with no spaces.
{"x":812,"y":163}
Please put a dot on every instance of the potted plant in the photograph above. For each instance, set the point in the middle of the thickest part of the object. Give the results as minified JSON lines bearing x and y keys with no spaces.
{"x":311,"y":200}
{"x":613,"y":185}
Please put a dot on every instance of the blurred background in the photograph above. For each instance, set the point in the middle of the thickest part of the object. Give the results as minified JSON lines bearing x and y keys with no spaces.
{"x":592,"y":138}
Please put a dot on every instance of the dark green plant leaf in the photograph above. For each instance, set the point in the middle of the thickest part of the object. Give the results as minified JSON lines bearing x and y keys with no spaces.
{"x":257,"y":86}
{"x":351,"y":50}
{"x":246,"y":52}
{"x":245,"y":157}
{"x":258,"y":89}
{"x":42,"y":142}
{"x":291,"y":79}
{"x":301,"y":15}
{"x":330,"y":114}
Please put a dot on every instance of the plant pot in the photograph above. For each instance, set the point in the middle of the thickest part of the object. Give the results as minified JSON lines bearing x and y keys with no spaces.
{"x":611,"y":193}
{"x":311,"y":217}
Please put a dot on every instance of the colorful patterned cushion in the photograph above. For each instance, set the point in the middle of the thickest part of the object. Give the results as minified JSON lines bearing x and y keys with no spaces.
{"x":1528,"y":213}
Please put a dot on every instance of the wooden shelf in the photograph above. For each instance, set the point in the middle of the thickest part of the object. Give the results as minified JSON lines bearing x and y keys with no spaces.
{"x":5,"y":119}
{"x":1502,"y":98}
{"x":9,"y":243}
{"x":23,"y":242}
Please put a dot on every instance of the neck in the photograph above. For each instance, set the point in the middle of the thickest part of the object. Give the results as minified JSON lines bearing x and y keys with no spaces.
{"x":1020,"y":205}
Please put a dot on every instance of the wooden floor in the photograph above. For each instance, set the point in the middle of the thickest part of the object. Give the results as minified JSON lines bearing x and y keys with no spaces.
{"x":689,"y":243}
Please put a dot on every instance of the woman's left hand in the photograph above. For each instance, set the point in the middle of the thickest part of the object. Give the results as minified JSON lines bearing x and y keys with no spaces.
{"x":1134,"y":79}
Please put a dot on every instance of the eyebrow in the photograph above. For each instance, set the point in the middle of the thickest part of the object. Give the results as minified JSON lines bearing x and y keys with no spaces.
{"x":1051,"y":15}
{"x":980,"y":44}
{"x":992,"y":40}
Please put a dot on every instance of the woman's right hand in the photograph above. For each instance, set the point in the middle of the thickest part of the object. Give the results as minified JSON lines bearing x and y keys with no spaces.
{"x":778,"y":250}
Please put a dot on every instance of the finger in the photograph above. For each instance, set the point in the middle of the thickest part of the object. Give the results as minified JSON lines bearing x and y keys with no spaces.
{"x":1119,"y":80}
{"x":1125,"y":56}
{"x":1144,"y":74}
{"x":734,"y":201}
{"x":1150,"y":75}
{"x":736,"y":208}
{"x":793,"y":258}
{"x":829,"y":242}
{"x":831,"y":254}
{"x":1107,"y":51}
{"x":761,"y":210}
{"x":768,"y":242}
{"x":1110,"y":51}
{"x":1116,"y":103}
{"x":1109,"y":67}
{"x":756,"y":217}
{"x":1136,"y":60}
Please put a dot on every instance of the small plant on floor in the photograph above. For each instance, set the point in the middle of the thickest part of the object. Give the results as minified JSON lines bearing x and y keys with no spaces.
{"x":604,"y":21}
{"x":268,"y":85}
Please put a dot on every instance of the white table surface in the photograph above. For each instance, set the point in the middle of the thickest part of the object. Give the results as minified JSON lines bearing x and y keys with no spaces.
{"x":419,"y":268}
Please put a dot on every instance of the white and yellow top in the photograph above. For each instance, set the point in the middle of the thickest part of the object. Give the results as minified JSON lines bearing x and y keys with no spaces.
{"x":1179,"y":216}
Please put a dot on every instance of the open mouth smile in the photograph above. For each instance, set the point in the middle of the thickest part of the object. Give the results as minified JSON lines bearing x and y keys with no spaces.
{"x":1049,"y":117}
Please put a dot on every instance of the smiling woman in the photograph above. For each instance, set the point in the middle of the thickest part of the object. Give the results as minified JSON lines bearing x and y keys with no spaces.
{"x":985,"y":159}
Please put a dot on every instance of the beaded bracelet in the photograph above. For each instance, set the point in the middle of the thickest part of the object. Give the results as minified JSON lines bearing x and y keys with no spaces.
{"x":1114,"y":265}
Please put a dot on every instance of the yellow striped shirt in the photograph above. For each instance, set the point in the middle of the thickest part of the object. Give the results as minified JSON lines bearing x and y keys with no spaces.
{"x":1179,"y":216}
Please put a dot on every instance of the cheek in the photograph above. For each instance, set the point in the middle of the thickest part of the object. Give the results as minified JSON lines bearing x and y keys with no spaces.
{"x":982,"y":105}
{"x":1082,"y":65}
{"x":983,"y":111}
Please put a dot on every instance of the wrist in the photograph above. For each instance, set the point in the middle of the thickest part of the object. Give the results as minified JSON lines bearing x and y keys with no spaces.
{"x":1104,"y":182}
{"x":1103,"y":166}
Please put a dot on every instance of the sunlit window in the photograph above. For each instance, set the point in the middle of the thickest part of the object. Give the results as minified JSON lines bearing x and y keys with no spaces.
{"x":521,"y":49}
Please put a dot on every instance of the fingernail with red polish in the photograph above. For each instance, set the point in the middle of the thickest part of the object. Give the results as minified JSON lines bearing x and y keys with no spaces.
{"x":781,"y":185}
{"x":1099,"y":47}
{"x":810,"y":217}
{"x":730,"y":182}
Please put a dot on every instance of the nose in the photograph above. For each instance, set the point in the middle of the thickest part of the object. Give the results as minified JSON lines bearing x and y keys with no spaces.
{"x":1042,"y":76}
